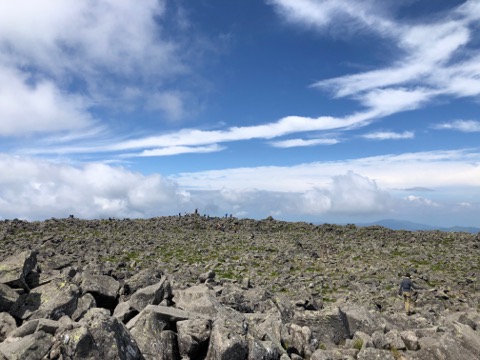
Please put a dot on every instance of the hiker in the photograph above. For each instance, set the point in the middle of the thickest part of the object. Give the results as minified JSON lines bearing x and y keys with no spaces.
{"x":407,"y":289}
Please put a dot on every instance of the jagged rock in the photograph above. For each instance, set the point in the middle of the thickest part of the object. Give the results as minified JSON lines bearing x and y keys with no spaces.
{"x":410,"y":340}
{"x":301,"y":341}
{"x":31,"y":347}
{"x":110,"y":336}
{"x":85,"y":303}
{"x":193,"y":336}
{"x":151,"y":295}
{"x":337,"y":354}
{"x":362,"y":340}
{"x":51,"y":301}
{"x":103,"y":288}
{"x":77,"y":344}
{"x":374,"y":354}
{"x":147,"y":332}
{"x":358,"y":318}
{"x":444,"y":347}
{"x":8,"y":297}
{"x":265,"y":350}
{"x":140,"y":280}
{"x":7,"y":325}
{"x":228,"y":340}
{"x":380,"y":341}
{"x":14,"y":269}
{"x":124,"y":312}
{"x":197,"y":299}
{"x":329,"y":326}
{"x":30,"y":327}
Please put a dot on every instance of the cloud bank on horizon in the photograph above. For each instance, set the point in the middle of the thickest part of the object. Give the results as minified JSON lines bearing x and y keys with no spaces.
{"x":333,"y":111}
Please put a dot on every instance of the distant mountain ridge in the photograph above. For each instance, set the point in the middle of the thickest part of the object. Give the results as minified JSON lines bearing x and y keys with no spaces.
{"x":412,"y":226}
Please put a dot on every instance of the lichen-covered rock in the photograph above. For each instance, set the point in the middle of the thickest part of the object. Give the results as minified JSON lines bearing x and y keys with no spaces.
{"x":110,"y":336}
{"x":76,"y":343}
{"x":85,"y":303}
{"x":50,"y":301}
{"x":31,"y":347}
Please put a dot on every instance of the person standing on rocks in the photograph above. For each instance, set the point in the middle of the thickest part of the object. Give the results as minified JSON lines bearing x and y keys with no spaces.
{"x":407,"y":289}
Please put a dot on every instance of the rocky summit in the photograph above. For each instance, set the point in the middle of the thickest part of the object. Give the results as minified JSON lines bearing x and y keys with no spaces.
{"x":198,"y":287}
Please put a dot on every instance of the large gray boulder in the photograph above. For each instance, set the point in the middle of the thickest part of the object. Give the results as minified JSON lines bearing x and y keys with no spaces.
{"x":102,"y":287}
{"x":7,"y":325}
{"x":329,"y":325}
{"x":8,"y":297}
{"x":193,"y":337}
{"x":31,"y":347}
{"x":52,"y":301}
{"x":197,"y":299}
{"x":444,"y":347}
{"x":147,"y":332}
{"x":14,"y":269}
{"x":228,"y":340}
{"x":76,"y":343}
{"x":151,"y":295}
{"x":110,"y":336}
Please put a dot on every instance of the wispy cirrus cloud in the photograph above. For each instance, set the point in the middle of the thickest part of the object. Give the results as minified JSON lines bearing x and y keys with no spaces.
{"x":303,"y":142}
{"x":459,"y":125}
{"x":389,"y":135}
{"x":432,"y":59}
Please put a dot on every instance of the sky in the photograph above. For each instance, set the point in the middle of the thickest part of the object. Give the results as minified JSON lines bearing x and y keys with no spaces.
{"x":325,"y":111}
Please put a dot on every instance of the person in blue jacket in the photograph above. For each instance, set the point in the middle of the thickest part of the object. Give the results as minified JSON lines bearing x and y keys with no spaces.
{"x":407,"y":289}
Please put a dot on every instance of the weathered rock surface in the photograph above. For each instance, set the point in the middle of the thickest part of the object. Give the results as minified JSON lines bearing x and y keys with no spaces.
{"x":178,"y":288}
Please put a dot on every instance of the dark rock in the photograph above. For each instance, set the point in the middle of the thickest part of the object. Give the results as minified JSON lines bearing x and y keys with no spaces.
{"x":110,"y":336}
{"x":31,"y":347}
{"x":103,"y":288}
{"x":8,"y":297}
{"x":14,"y":269}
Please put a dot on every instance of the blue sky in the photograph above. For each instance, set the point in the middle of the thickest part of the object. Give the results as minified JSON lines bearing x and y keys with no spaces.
{"x":314,"y":110}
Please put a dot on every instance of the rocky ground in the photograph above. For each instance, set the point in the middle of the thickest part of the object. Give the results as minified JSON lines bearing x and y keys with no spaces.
{"x":195,"y":287}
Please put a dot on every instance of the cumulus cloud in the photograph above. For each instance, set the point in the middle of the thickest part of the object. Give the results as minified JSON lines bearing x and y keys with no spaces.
{"x":26,"y":109}
{"x":35,"y":189}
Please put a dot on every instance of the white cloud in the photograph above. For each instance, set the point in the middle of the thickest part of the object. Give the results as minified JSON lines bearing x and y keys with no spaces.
{"x":177,"y":150}
{"x":171,"y":103}
{"x":389,"y":135}
{"x":302,"y":142}
{"x":421,"y":201}
{"x":38,"y":189}
{"x":53,"y":51}
{"x":25,"y":109}
{"x":431,"y":60}
{"x":460,"y":125}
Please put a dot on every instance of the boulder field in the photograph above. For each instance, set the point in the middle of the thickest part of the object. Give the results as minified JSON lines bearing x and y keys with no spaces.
{"x":198,"y":287}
